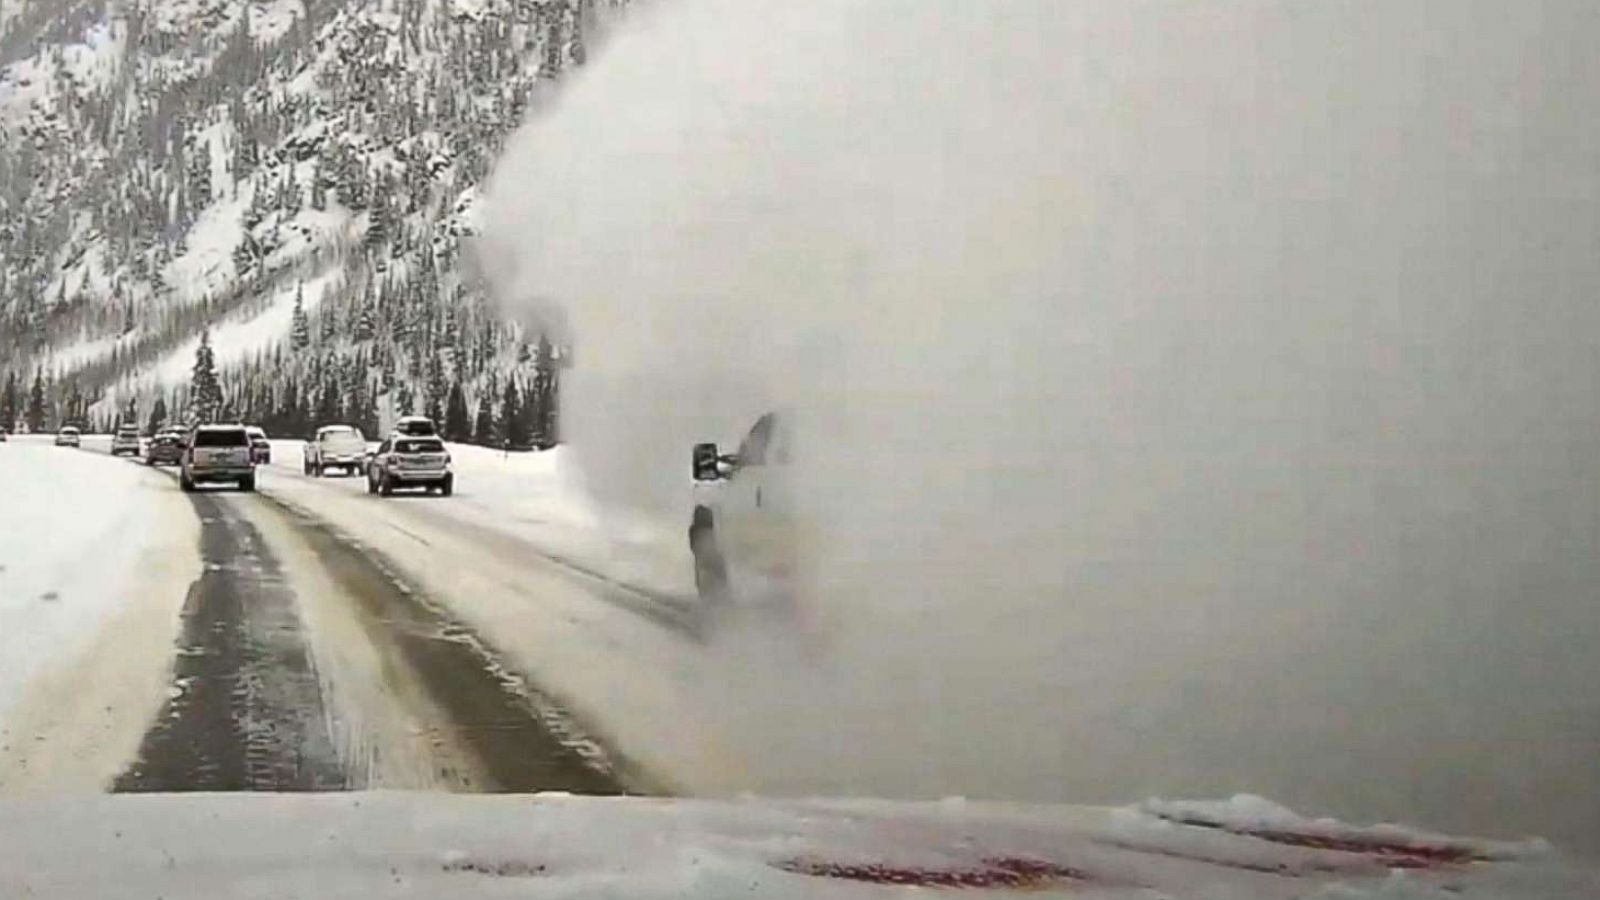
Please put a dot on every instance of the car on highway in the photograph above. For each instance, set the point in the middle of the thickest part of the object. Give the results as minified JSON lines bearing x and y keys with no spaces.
{"x":341,"y":447}
{"x":410,"y":462}
{"x":260,"y":447}
{"x":69,"y":437}
{"x":165,"y":449}
{"x":416,"y":426}
{"x":213,"y":453}
{"x":743,"y":533}
{"x":126,"y":440}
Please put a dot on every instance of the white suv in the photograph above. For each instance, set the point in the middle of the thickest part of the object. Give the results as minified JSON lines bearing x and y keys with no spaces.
{"x":341,"y":447}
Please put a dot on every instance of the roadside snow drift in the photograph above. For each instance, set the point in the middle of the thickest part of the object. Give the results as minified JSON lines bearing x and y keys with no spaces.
{"x":374,"y":846}
{"x":96,"y":555}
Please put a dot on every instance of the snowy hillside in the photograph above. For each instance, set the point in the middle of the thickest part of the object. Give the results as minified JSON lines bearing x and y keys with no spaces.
{"x":169,"y":166}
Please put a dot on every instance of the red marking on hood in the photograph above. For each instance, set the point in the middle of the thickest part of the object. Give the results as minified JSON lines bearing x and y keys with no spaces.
{"x":999,"y":872}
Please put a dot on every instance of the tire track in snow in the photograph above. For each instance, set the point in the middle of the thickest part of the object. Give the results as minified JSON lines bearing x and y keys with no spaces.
{"x":246,"y":712}
{"x":519,"y":738}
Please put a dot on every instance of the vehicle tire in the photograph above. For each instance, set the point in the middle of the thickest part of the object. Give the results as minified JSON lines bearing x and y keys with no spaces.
{"x":372,"y":486}
{"x":248,"y":485}
{"x":385,"y":486}
{"x":447,"y":486}
{"x":710,"y":566}
{"x":317,"y":470}
{"x":305,"y":467}
{"x":185,"y":482}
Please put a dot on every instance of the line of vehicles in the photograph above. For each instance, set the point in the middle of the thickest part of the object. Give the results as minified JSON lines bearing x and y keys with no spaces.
{"x":744,"y":535}
{"x":413,"y":455}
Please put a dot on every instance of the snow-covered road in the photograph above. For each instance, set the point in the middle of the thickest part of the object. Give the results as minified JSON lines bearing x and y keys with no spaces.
{"x":299,"y":664}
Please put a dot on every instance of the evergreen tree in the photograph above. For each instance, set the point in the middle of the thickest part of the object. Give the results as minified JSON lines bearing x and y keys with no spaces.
{"x":328,"y":319}
{"x":366,"y":325}
{"x":404,"y":400}
{"x":370,"y":422}
{"x":543,"y":400}
{"x":289,"y":420}
{"x":77,"y":408}
{"x":510,"y":406}
{"x":158,"y":415}
{"x":319,"y":189}
{"x":457,"y":423}
{"x":437,"y":388}
{"x":300,"y":330}
{"x":483,"y":428}
{"x":205,"y":393}
{"x":10,"y":403}
{"x":330,"y":409}
{"x":34,"y":416}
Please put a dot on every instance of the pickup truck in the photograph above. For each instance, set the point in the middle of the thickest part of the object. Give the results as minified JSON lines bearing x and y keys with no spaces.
{"x":341,"y":447}
{"x":217,"y":453}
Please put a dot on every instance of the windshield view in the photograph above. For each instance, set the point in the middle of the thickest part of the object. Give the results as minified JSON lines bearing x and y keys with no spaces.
{"x":823,"y":449}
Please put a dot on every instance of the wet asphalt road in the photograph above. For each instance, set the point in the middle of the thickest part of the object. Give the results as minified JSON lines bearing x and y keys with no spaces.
{"x":246,"y":712}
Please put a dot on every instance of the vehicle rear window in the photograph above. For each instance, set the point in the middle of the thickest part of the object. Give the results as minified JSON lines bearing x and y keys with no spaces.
{"x":220,"y":438}
{"x":415,"y":428}
{"x":418,"y":446}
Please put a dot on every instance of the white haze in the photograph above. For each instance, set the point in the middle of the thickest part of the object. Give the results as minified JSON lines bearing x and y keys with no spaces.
{"x":1193,"y":397}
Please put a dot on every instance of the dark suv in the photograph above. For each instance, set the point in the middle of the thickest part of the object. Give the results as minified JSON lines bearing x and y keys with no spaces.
{"x":165,"y":449}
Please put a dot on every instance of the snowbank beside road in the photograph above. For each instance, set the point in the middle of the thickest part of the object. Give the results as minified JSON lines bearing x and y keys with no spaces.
{"x":374,"y":846}
{"x":96,"y":555}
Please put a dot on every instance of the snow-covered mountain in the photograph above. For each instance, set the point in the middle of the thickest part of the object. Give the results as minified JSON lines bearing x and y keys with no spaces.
{"x":289,"y":181}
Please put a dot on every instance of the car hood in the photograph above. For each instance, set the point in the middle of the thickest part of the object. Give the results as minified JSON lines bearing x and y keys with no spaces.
{"x":383,"y":845}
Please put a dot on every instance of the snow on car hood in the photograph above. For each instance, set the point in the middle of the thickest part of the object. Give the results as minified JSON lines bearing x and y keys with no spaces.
{"x":382,"y":845}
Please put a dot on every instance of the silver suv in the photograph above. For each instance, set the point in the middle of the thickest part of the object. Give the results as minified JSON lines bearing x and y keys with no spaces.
{"x":126,"y":440}
{"x":217,"y":453}
{"x":402,"y":462}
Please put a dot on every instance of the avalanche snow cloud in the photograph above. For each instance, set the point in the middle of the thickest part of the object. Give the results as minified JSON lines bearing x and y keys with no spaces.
{"x":1192,"y":397}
